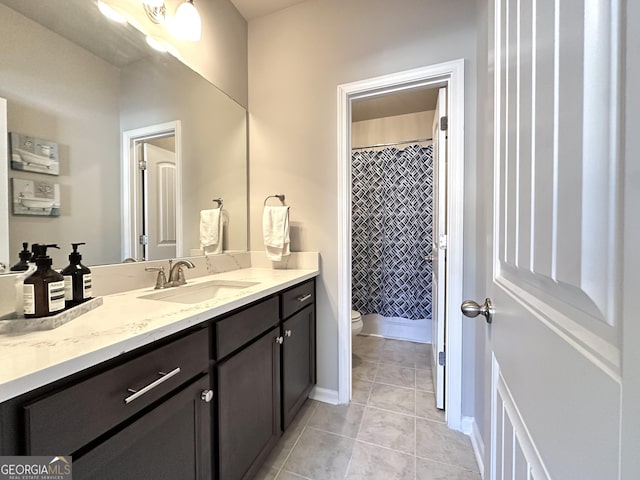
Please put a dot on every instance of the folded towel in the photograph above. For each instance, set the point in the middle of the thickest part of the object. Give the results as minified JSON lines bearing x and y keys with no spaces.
{"x":275,"y":229}
{"x":211,"y":229}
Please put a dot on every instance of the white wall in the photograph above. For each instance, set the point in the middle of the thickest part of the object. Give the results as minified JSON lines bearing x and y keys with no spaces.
{"x":398,"y":128}
{"x":52,"y":94}
{"x":297,"y":58}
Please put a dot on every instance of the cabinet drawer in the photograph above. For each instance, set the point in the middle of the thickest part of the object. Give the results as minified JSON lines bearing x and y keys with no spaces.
{"x":297,"y":298}
{"x":242,"y":327}
{"x":69,"y":419}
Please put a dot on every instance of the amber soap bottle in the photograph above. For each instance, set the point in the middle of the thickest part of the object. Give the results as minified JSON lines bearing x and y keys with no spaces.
{"x":44,"y":288}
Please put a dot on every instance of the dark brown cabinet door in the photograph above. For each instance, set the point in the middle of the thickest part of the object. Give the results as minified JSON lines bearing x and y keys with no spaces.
{"x":172,"y":441}
{"x":298,"y":362}
{"x":248,"y":407}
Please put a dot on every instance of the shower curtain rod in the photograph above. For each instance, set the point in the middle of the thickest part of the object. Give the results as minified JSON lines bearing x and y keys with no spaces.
{"x":417,"y":140}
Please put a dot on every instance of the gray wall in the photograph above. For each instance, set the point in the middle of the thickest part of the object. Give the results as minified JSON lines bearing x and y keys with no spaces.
{"x":297,"y":58}
{"x":52,"y":94}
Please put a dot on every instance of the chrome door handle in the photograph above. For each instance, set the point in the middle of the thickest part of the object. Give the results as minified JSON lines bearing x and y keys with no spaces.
{"x":138,"y":393}
{"x":279,"y":340}
{"x":472,"y":309}
{"x":304,"y":298}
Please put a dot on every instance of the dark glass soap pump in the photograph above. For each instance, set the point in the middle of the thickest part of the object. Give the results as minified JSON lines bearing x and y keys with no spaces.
{"x":25,"y":256}
{"x":44,"y":288}
{"x":77,"y":279}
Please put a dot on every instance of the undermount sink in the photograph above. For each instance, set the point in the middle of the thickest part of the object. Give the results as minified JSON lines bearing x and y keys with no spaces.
{"x":200,"y":292}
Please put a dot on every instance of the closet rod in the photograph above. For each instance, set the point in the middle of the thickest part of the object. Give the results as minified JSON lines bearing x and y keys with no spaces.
{"x":417,"y":140}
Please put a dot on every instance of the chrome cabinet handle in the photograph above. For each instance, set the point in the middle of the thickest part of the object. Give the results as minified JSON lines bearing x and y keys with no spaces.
{"x":287,"y":333}
{"x":206,"y":395}
{"x":304,"y":298}
{"x":279,"y":340}
{"x":472,"y":309}
{"x":163,"y":378}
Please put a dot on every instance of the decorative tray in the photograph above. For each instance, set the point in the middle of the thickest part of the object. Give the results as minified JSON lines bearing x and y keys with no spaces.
{"x":22,"y":324}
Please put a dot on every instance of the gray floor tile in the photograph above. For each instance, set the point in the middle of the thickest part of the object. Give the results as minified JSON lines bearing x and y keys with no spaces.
{"x":435,"y":441}
{"x":388,"y":429}
{"x":426,"y":406}
{"x":340,"y":419}
{"x":396,"y":375}
{"x":266,"y":472}
{"x":423,"y":360}
{"x":282,"y":449}
{"x":370,"y":462}
{"x":363,"y":369}
{"x":398,"y":346}
{"x":429,"y":470}
{"x":403,"y":359}
{"x":423,"y":348}
{"x":424,"y":379}
{"x":320,"y":455}
{"x":360,"y":390}
{"x":396,"y":399}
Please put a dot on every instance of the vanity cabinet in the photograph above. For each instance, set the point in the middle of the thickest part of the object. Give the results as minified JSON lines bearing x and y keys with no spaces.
{"x":298,"y":348}
{"x":248,"y":379}
{"x":147,"y":414}
{"x":208,"y":403}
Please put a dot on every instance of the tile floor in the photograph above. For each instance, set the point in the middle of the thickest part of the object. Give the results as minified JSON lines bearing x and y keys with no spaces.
{"x":391,"y":430}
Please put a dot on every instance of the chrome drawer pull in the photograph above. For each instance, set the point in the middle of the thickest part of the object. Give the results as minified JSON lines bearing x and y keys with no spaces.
{"x":304,"y":298}
{"x":138,"y":393}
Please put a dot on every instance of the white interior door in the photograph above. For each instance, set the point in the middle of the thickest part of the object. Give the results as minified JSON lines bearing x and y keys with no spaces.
{"x":554,"y":254}
{"x":160,"y":202}
{"x":439,"y":247}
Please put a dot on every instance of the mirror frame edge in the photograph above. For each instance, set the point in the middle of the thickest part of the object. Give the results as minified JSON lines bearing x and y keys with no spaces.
{"x":4,"y":180}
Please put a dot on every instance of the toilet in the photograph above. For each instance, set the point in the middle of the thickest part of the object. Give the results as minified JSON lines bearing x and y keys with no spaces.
{"x":356,"y":323}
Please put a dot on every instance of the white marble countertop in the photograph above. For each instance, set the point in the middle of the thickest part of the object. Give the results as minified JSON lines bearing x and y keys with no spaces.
{"x":123,"y":323}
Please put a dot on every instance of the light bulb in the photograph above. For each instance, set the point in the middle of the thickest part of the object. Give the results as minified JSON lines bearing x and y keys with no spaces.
{"x":187,"y":23}
{"x":156,"y":44}
{"x":110,"y":13}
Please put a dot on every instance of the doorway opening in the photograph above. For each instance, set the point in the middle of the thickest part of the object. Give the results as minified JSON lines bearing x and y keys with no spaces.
{"x":449,"y":75}
{"x":152,"y":192}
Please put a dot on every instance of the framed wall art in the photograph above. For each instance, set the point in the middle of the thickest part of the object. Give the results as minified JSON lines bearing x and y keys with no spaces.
{"x":34,"y":197}
{"x":32,"y":154}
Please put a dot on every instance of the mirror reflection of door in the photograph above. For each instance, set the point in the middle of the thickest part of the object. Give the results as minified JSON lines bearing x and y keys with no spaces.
{"x":156,"y":198}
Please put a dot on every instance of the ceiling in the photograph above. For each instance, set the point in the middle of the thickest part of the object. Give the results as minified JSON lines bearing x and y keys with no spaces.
{"x":401,"y":103}
{"x":251,"y":9}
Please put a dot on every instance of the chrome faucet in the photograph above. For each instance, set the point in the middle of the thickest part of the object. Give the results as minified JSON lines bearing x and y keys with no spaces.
{"x":176,"y":274}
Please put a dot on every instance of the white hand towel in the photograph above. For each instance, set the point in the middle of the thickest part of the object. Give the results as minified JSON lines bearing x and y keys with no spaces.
{"x":211,"y":230}
{"x":275,"y":229}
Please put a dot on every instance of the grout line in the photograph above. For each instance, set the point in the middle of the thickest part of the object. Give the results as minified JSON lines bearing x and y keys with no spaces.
{"x":447,"y":464}
{"x":385,"y":447}
{"x":304,"y":428}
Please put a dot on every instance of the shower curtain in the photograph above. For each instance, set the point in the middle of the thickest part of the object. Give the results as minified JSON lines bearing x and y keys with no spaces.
{"x":391,"y":231}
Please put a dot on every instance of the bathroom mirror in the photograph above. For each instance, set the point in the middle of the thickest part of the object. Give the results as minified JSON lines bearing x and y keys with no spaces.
{"x":80,"y":81}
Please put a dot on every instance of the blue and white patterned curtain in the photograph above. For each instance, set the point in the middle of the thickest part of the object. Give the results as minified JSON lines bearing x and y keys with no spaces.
{"x":391,"y":227}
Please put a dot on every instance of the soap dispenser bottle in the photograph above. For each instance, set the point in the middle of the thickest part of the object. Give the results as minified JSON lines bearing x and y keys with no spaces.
{"x":25,"y":256}
{"x":77,"y":279}
{"x":44,"y":289}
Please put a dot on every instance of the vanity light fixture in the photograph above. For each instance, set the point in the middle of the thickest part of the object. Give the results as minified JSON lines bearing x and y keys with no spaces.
{"x":187,"y":24}
{"x":156,"y":44}
{"x":155,"y":9}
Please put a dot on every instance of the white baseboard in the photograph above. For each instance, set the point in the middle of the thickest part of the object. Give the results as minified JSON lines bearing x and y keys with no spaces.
{"x":324,"y":395}
{"x":397,"y":328}
{"x":470,"y":427}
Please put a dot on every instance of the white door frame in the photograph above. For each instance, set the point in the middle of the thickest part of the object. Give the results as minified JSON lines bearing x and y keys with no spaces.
{"x":452,"y":74}
{"x":130,"y":207}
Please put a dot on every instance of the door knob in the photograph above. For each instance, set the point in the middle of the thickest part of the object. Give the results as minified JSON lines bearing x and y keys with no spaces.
{"x":429,"y":258}
{"x":472,"y":309}
{"x":206,"y":395}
